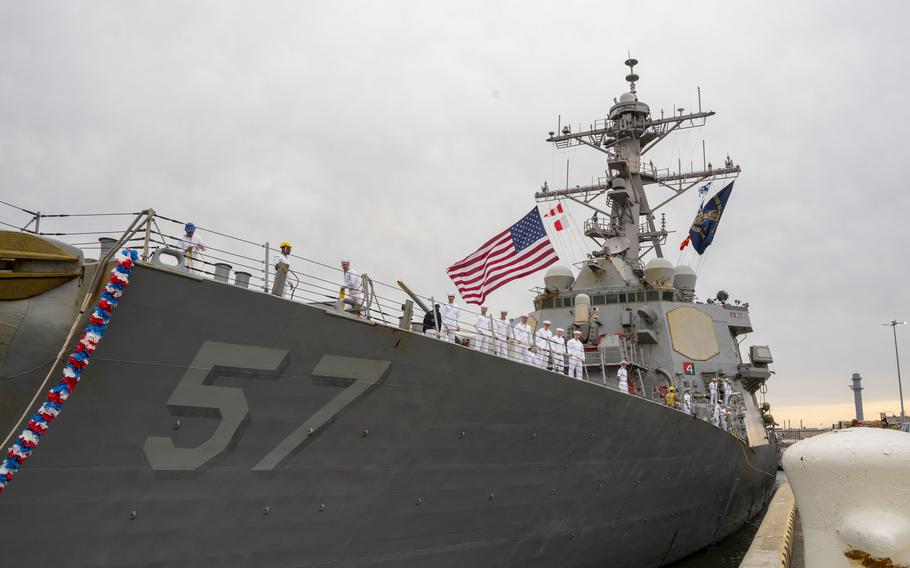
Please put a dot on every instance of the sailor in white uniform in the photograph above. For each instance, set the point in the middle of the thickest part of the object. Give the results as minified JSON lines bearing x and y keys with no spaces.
{"x":192,"y":247}
{"x":284,"y":257}
{"x":523,"y":340}
{"x":576,"y":352}
{"x":542,"y":343}
{"x":713,"y":390}
{"x":728,"y":392}
{"x":687,"y":402}
{"x":715,"y":418}
{"x":449,"y":314}
{"x":622,"y":377}
{"x":483,"y":325}
{"x":558,"y":349}
{"x":503,"y":330}
{"x":353,"y":287}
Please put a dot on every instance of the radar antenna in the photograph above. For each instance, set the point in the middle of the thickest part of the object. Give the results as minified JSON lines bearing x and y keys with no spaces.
{"x":632,"y":76}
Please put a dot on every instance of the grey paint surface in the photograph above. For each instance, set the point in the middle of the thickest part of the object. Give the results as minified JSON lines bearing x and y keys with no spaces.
{"x":449,"y":457}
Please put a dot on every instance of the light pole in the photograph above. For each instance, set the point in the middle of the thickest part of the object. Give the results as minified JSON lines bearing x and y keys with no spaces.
{"x":900,"y":388}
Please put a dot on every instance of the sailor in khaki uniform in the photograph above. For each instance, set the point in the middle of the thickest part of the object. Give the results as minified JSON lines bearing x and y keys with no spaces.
{"x":284,"y":257}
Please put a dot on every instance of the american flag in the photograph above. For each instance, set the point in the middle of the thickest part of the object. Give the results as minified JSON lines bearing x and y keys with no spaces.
{"x":522,"y":249}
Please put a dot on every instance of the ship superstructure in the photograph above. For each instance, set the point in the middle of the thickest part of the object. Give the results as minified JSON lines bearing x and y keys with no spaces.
{"x":222,"y":423}
{"x":647,"y":312}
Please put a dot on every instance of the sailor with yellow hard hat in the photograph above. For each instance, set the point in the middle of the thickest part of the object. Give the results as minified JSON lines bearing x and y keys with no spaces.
{"x":670,"y":398}
{"x":284,"y":258}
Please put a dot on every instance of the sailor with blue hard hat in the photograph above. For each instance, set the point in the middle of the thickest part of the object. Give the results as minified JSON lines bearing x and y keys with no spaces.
{"x":192,"y":247}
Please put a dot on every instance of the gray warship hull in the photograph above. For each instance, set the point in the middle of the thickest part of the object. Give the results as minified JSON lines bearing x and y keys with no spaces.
{"x":220,"y":427}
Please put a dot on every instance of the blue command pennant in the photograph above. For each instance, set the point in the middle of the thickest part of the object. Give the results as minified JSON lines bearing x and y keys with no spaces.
{"x":703,"y":228}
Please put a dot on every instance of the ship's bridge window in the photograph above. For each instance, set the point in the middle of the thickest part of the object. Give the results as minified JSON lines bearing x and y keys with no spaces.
{"x":546,"y":304}
{"x":639,"y":297}
{"x":537,"y":304}
{"x":598,"y":300}
{"x":668,"y":296}
{"x":611,"y":298}
{"x":652,"y":296}
{"x":622,"y":298}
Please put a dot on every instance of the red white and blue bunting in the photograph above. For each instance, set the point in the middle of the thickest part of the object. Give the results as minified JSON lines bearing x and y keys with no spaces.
{"x":72,"y":371}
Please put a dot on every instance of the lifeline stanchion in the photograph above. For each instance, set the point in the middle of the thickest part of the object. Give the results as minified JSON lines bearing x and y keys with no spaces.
{"x":77,"y":361}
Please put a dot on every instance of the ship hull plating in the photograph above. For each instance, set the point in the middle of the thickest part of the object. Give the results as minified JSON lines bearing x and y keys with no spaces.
{"x":217,"y":426}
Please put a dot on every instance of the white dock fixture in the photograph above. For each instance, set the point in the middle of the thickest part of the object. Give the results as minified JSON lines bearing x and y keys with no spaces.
{"x":852,"y":489}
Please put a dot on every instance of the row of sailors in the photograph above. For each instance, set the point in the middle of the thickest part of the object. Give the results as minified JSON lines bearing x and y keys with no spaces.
{"x":720,"y":415}
{"x":500,"y":337}
{"x":351,"y":293}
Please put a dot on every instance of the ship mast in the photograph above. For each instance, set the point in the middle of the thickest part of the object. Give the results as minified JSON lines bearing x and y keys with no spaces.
{"x":627,"y":228}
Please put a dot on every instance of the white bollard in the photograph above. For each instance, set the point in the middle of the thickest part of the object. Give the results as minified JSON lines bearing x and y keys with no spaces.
{"x":852,"y":491}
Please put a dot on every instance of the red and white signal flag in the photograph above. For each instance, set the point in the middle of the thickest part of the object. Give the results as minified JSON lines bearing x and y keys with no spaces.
{"x":557,"y":213}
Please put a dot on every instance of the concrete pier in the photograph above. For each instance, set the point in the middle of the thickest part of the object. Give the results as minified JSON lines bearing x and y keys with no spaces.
{"x":773,"y":543}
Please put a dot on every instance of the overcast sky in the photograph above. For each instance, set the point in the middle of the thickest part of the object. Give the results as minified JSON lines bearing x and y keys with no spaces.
{"x":404,"y":134}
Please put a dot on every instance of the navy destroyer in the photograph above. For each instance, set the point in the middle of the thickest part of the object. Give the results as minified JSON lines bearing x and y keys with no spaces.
{"x":220,"y":423}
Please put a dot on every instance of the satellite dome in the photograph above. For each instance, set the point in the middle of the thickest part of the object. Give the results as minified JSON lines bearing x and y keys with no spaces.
{"x":626,"y":98}
{"x":684,"y":277}
{"x":558,"y":277}
{"x":659,"y":272}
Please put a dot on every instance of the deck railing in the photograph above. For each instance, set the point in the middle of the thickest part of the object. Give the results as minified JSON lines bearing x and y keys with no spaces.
{"x":249,"y":264}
